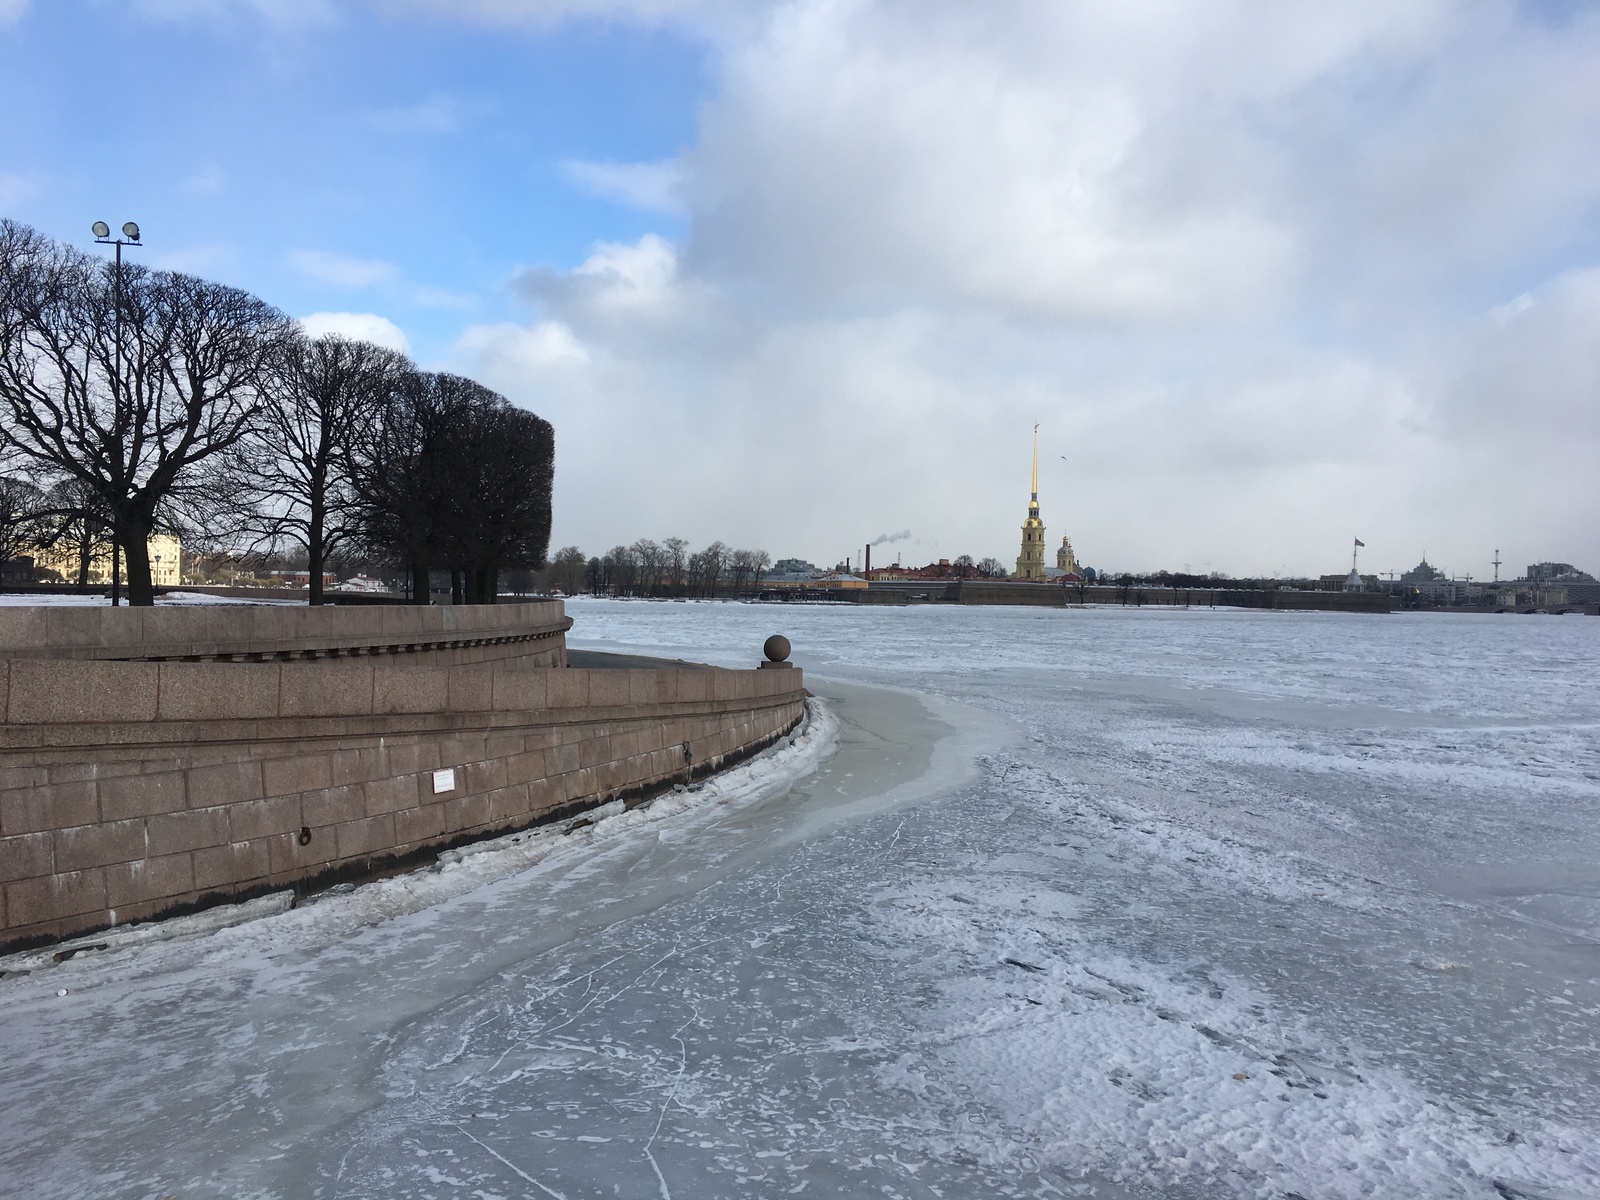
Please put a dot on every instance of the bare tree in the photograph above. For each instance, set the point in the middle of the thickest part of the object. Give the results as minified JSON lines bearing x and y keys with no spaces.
{"x":620,"y":571}
{"x":992,"y":568}
{"x":713,"y":561}
{"x":292,"y":472}
{"x":397,"y":469}
{"x":23,"y":520}
{"x":568,"y":570}
{"x":738,"y":568}
{"x":649,"y":563}
{"x":450,"y":474}
{"x":126,"y":381}
{"x":741,"y":566}
{"x":500,"y":480}
{"x":75,"y":518}
{"x":674,"y":548}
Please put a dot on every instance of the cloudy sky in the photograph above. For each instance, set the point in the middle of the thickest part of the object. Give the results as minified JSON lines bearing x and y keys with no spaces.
{"x":1269,"y":275}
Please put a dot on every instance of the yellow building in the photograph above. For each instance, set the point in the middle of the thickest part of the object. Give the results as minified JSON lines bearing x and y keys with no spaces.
{"x":838,"y":581}
{"x":166,"y":561}
{"x":1066,"y":560}
{"x":1030,"y":563}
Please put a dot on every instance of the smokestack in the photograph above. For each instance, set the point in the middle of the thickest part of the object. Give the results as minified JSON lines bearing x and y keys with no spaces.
{"x":868,"y":571}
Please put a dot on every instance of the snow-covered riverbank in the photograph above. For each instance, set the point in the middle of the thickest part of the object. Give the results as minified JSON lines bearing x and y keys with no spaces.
{"x":1087,"y":902}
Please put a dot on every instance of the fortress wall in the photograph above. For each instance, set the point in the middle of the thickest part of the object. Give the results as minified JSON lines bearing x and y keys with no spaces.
{"x":1367,"y":602}
{"x":132,"y":789}
{"x":1048,"y":595}
{"x":1056,"y":595}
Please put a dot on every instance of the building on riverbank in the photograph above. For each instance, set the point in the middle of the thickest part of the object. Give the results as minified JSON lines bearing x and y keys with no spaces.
{"x":1577,"y":587}
{"x":66,"y":560}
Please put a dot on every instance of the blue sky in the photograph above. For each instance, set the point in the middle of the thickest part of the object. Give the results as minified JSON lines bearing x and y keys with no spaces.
{"x":287,"y":155}
{"x":1270,"y":274}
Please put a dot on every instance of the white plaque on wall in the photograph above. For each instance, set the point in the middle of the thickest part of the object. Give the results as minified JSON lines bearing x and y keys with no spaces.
{"x":444,"y":781}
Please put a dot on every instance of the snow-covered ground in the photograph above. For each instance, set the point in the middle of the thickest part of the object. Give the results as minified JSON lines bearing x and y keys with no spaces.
{"x":1099,"y":902}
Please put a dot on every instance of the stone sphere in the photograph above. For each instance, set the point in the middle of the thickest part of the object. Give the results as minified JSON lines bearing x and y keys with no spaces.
{"x":776,"y":648}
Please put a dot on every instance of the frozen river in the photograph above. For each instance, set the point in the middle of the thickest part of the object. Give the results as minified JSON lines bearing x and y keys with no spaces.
{"x":1086,"y":902}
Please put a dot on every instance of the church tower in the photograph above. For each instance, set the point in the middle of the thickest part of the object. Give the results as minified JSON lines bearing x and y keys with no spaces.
{"x":1030,"y":563}
{"x":1066,"y":560}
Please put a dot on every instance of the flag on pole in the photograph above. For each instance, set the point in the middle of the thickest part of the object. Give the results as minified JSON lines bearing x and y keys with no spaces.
{"x":1360,"y":543}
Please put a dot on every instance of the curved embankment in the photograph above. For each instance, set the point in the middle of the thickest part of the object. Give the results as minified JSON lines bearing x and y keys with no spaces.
{"x":332,"y":992}
{"x":292,"y":747}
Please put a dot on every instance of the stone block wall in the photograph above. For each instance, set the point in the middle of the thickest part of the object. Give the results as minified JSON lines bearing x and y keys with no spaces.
{"x":432,"y":635}
{"x":1043,"y":595}
{"x":131,"y":789}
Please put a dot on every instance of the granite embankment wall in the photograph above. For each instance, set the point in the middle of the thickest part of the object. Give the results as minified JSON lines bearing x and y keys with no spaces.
{"x":131,"y":789}
{"x":533,"y":633}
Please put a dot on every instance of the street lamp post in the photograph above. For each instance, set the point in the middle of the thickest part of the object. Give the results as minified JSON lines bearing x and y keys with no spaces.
{"x":130,"y":237}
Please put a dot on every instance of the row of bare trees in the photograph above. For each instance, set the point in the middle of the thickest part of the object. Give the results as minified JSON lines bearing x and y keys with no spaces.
{"x":660,"y":569}
{"x":962,"y":567}
{"x":135,"y":400}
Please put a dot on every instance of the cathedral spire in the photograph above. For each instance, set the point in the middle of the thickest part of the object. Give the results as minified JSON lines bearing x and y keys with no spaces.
{"x":1030,"y":563}
{"x":1035,"y":495}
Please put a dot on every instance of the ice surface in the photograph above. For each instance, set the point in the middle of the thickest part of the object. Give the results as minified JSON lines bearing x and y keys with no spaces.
{"x":1092,"y":902}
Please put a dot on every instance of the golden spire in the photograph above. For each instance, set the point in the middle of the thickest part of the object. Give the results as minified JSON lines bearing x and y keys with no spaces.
{"x":1036,"y":463}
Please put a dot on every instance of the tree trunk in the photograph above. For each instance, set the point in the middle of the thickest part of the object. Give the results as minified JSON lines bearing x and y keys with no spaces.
{"x":314,"y":552}
{"x":487,"y":581}
{"x":85,"y":547}
{"x":419,"y":584}
{"x":134,"y":537}
{"x":455,"y":586}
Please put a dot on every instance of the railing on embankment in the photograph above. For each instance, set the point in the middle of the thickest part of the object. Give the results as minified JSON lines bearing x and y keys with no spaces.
{"x":133,"y":789}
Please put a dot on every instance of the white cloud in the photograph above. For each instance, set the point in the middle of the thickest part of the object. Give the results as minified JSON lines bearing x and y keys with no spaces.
{"x":438,"y":114}
{"x":1058,"y":159}
{"x":432,"y":297}
{"x":12,"y":11}
{"x":365,"y":327}
{"x":342,"y":271}
{"x":715,"y":17}
{"x":615,"y":277}
{"x":1267,"y":273}
{"x":508,"y":350}
{"x":652,"y":186}
{"x":277,"y":12}
{"x":1528,"y":372}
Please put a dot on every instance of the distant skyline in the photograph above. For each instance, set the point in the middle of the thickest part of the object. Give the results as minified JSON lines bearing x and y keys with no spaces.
{"x":800,"y":275}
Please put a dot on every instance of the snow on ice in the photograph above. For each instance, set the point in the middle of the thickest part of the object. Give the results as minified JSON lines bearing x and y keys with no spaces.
{"x":1098,"y":902}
